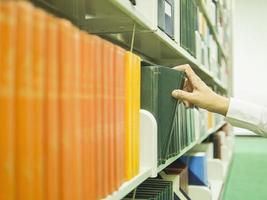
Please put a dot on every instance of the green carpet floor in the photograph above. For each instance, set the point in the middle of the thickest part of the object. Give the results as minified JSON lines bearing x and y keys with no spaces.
{"x":247,"y":178}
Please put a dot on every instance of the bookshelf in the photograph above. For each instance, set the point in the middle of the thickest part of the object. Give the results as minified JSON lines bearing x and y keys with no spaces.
{"x":116,"y":23}
{"x":149,"y":41}
{"x":148,"y":163}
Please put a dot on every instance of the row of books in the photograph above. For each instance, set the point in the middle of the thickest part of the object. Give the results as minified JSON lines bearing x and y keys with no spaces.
{"x":152,"y":189}
{"x":192,"y":168}
{"x":188,"y":25}
{"x":69,"y":109}
{"x":219,"y":12}
{"x":178,"y":126}
{"x":181,"y":20}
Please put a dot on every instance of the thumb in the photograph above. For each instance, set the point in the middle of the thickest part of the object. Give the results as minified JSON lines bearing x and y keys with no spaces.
{"x":182,"y":95}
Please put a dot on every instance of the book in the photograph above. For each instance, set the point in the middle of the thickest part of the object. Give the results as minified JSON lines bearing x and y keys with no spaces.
{"x":177,"y":23}
{"x":120,"y":117}
{"x":108,"y":106}
{"x":51,"y":114}
{"x":166,"y":16}
{"x":38,"y":69}
{"x":24,"y":159}
{"x":157,"y":85}
{"x":197,"y":168}
{"x":88,"y":115}
{"x":188,"y":21}
{"x":65,"y":62}
{"x":99,"y":116}
{"x":75,"y":109}
{"x":136,"y":114}
{"x":132,"y":114}
{"x":8,"y":28}
{"x":153,"y":189}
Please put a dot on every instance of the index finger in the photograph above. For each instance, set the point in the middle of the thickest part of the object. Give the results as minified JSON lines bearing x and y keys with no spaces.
{"x":189,"y":72}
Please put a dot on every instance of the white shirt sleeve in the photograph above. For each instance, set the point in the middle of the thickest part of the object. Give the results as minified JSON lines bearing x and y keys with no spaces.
{"x":247,"y":115}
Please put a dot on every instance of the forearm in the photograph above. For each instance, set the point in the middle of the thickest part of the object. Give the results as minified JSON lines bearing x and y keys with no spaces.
{"x":247,"y":115}
{"x":218,"y":104}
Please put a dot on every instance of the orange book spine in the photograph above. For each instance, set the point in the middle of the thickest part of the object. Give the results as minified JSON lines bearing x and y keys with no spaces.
{"x":76,"y":131}
{"x":7,"y":84}
{"x":110,"y":92}
{"x":51,"y":115}
{"x":23,"y":104}
{"x":105,"y":105}
{"x":39,"y":39}
{"x":84,"y":116}
{"x":120,"y":97}
{"x":89,"y":120}
{"x":99,"y":115}
{"x":65,"y":108}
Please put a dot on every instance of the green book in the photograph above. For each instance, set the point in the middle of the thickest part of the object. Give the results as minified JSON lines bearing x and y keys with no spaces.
{"x":157,"y":84}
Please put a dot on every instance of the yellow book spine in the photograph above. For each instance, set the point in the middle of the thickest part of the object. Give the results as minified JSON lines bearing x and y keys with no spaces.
{"x":137,"y":98}
{"x":129,"y":118}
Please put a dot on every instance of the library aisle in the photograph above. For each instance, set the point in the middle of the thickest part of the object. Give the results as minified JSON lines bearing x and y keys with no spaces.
{"x":248,"y":175}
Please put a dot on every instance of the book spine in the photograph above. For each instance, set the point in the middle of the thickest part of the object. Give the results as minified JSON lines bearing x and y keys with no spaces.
{"x":88,"y":119}
{"x":39,"y":38}
{"x":154,"y":99}
{"x":23,"y":104}
{"x":65,"y":108}
{"x":99,"y":118}
{"x":129,"y":116}
{"x":76,"y":142}
{"x":104,"y":95}
{"x":8,"y":28}
{"x":51,"y":114}
{"x":136,"y":120}
{"x":110,"y":92}
{"x":120,"y":102}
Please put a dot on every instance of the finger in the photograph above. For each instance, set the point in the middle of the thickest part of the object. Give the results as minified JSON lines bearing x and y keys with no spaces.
{"x":188,"y":86}
{"x":193,"y":78}
{"x":187,"y":104}
{"x":183,"y":95}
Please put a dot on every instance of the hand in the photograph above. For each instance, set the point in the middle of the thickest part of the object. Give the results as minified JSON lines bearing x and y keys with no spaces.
{"x":196,"y":92}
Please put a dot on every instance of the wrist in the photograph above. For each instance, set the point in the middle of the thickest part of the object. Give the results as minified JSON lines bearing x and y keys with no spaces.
{"x":220,"y":104}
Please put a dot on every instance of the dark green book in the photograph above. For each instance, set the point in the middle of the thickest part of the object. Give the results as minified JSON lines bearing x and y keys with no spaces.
{"x":157,"y":84}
